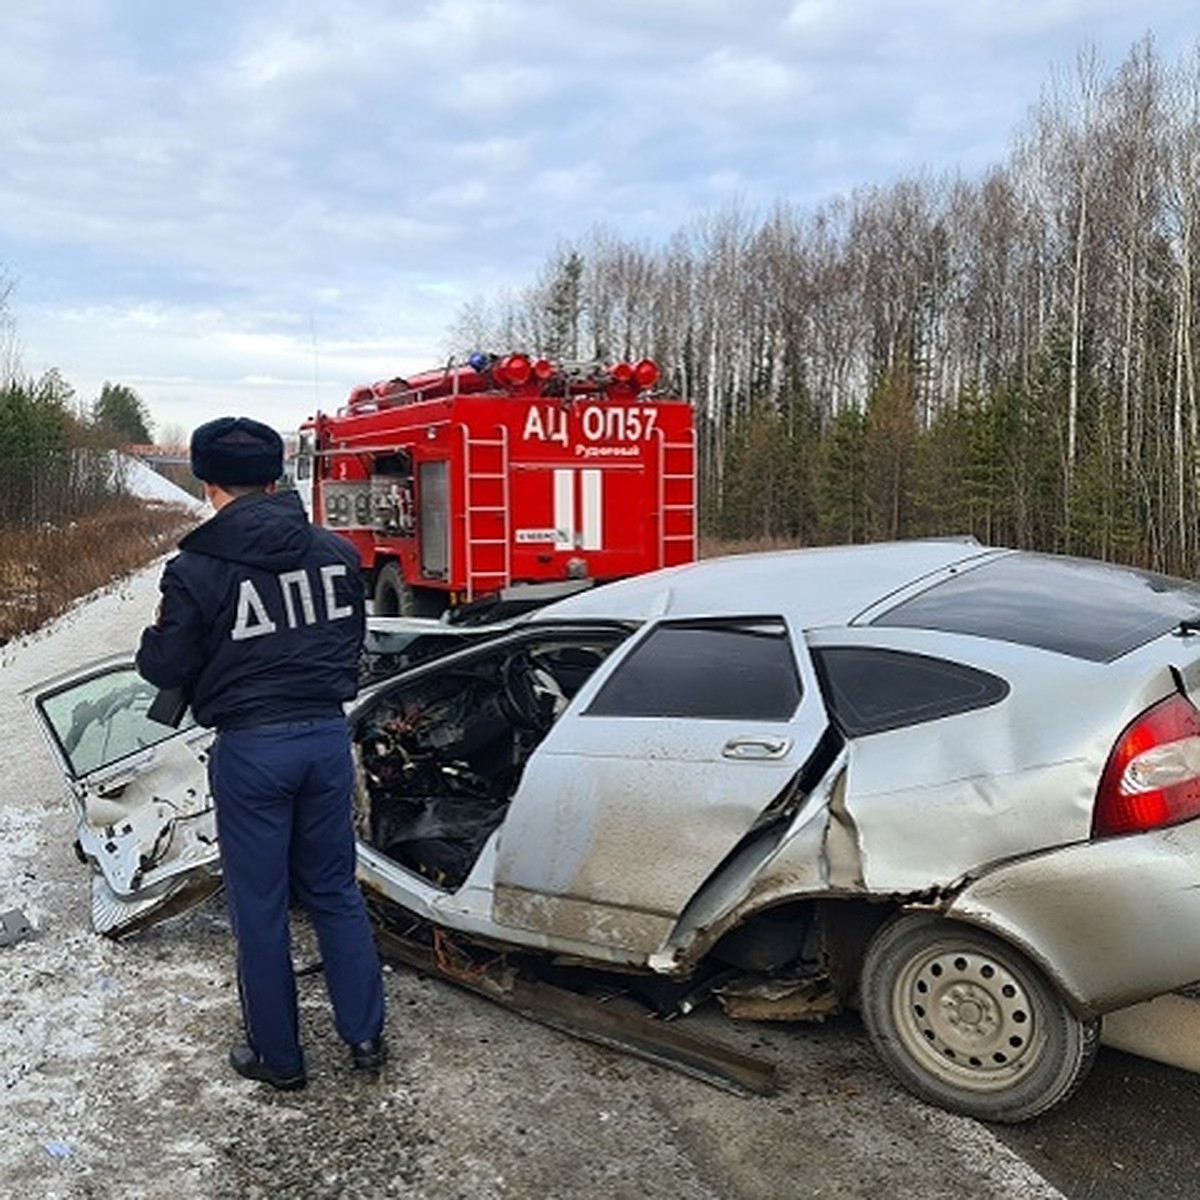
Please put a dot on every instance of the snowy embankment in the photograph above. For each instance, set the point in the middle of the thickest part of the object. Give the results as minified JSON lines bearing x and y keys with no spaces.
{"x":144,"y":481}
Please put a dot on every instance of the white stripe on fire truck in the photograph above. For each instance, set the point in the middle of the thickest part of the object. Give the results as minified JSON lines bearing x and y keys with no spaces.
{"x":593,"y":511}
{"x":591,"y":495}
{"x":564,"y":509}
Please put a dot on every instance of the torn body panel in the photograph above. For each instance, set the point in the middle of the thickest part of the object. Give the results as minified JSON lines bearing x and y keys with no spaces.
{"x":841,"y":854}
{"x":152,"y":837}
{"x":143,"y":830}
{"x":602,"y":843}
{"x":772,"y":868}
{"x":120,"y":916}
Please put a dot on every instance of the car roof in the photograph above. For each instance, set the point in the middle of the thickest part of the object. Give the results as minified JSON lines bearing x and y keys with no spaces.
{"x":826,"y":585}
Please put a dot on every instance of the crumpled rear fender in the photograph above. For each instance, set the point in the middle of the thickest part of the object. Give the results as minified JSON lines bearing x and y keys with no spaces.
{"x":1111,"y":922}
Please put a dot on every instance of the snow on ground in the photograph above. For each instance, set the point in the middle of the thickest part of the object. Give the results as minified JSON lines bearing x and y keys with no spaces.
{"x":146,"y":482}
{"x":113,"y":1080}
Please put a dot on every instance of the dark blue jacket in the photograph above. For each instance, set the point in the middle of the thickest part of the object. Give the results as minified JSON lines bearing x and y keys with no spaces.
{"x":261,"y":619}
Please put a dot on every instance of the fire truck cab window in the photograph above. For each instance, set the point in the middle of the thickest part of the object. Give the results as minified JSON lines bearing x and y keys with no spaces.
{"x":304,"y":457}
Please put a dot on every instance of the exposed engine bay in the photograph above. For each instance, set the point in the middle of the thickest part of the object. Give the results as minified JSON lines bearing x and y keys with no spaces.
{"x":442,"y":755}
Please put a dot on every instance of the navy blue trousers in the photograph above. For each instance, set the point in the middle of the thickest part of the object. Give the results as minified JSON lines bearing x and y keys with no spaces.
{"x":283,"y":799}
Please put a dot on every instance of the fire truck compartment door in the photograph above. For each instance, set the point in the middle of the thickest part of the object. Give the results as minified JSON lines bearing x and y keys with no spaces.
{"x":433,"y":481}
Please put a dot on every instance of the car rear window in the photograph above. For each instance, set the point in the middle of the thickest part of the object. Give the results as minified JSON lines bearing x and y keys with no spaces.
{"x":869,"y":689}
{"x":1090,"y":610}
{"x":726,"y":670}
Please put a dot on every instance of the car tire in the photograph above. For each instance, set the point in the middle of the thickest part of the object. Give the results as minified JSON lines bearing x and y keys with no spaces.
{"x":969,"y":1023}
{"x":393,"y":596}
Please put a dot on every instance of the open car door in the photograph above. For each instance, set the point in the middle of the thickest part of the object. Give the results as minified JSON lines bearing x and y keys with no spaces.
{"x":144,"y":816}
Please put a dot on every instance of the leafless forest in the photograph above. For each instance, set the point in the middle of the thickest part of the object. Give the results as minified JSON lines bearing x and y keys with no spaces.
{"x":1012,"y":356}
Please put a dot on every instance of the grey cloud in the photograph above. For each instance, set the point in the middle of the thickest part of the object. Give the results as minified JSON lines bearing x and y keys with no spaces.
{"x":363,"y":167}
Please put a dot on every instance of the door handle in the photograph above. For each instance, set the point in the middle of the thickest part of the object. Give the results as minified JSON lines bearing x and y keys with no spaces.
{"x":756,"y":747}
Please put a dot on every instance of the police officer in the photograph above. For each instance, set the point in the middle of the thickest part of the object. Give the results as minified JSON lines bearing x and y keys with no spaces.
{"x":260,"y":623}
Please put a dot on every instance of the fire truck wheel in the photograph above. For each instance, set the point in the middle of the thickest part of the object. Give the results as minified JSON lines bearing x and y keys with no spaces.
{"x":393,"y":597}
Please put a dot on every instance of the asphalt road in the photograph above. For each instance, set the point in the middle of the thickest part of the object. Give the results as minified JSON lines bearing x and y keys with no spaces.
{"x":1131,"y":1133}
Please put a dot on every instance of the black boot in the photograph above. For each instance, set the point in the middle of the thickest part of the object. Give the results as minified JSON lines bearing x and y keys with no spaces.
{"x":369,"y":1055}
{"x":247,"y":1064}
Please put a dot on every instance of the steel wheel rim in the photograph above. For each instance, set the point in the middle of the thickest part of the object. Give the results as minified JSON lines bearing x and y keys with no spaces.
{"x":969,"y":1018}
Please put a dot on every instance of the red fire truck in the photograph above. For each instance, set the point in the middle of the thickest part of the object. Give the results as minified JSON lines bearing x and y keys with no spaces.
{"x":503,"y":473}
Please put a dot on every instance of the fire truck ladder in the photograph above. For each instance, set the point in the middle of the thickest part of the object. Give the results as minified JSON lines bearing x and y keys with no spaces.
{"x":488,"y":561}
{"x":677,"y":501}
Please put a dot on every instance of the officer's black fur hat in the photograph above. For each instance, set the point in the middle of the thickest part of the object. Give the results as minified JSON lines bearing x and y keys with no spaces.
{"x":238,"y":451}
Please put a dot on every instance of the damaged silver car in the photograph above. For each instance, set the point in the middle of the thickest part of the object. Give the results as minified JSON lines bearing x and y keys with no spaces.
{"x":952,"y":786}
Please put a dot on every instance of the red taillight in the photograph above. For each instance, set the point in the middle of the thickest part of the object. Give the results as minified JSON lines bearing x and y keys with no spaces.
{"x":1152,"y":777}
{"x":543,"y":370}
{"x":621,"y":373}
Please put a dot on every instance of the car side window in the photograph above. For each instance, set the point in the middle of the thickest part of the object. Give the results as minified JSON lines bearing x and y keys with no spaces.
{"x":871,"y":689}
{"x":103,"y":718}
{"x":716,"y":670}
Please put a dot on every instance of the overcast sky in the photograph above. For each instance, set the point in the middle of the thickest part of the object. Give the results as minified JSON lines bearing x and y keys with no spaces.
{"x":249,"y":206}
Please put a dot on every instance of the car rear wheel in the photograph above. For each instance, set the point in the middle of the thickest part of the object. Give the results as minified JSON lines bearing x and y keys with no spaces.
{"x":969,"y":1023}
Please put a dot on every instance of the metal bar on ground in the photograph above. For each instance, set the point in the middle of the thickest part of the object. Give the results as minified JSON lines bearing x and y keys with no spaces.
{"x":588,"y":1019}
